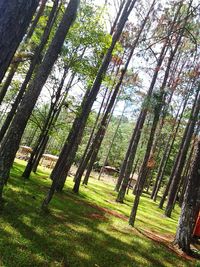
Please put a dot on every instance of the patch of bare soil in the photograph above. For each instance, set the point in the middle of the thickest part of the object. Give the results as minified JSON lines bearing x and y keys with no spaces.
{"x":110,"y":212}
{"x":97,"y":216}
{"x":163,"y":239}
{"x":167,"y":241}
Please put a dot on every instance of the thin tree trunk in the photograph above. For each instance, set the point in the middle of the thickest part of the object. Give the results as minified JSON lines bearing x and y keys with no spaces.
{"x":70,"y":148}
{"x":45,"y":129}
{"x":128,"y":168}
{"x":143,"y":171}
{"x":139,"y":124}
{"x":40,"y":153}
{"x":82,"y":164}
{"x":167,"y":151}
{"x":91,"y":157}
{"x":128,"y":162}
{"x":36,"y":19}
{"x":177,"y":174}
{"x":8,"y":80}
{"x":52,"y":123}
{"x":132,"y":175}
{"x":111,"y":144}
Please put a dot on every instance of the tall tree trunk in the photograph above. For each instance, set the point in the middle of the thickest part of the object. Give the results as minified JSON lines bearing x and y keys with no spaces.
{"x":36,"y":19}
{"x":73,"y":140}
{"x":37,"y":59}
{"x":117,"y":17}
{"x":112,"y":142}
{"x":40,"y":153}
{"x":139,"y":124}
{"x":52,"y":122}
{"x":129,"y":165}
{"x":143,"y":171}
{"x":15,"y":64}
{"x":15,"y":17}
{"x":82,"y":164}
{"x":190,"y":207}
{"x":128,"y":162}
{"x":167,"y":151}
{"x":183,"y":153}
{"x":187,"y":169}
{"x":11,"y":142}
{"x":86,"y":156}
{"x":45,"y":129}
{"x":92,"y":154}
{"x":8,"y":80}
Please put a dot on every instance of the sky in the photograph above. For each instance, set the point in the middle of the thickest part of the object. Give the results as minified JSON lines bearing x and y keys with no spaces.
{"x":112,"y":13}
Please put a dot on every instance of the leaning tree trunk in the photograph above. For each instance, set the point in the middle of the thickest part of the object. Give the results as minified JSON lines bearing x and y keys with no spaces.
{"x":52,"y":124}
{"x":39,"y":13}
{"x":167,"y":151}
{"x":187,"y":170}
{"x":82,"y":164}
{"x":94,"y":155}
{"x":14,"y":63}
{"x":11,"y":141}
{"x":112,"y":142}
{"x":183,"y":153}
{"x":86,"y":156}
{"x":15,"y":17}
{"x":46,"y":128}
{"x":158,"y":109}
{"x":139,"y":125}
{"x":73,"y":140}
{"x":130,"y":155}
{"x":94,"y":149}
{"x":143,"y":171}
{"x":190,"y":207}
{"x":8,"y":80}
{"x":37,"y":59}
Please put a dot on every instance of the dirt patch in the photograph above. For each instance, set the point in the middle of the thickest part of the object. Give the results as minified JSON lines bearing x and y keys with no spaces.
{"x":110,"y":212}
{"x":97,"y":216}
{"x":163,"y":239}
{"x":105,"y":210}
{"x":167,"y":241}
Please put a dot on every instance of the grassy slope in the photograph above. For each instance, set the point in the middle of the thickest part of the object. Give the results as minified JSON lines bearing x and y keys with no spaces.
{"x":77,"y":234}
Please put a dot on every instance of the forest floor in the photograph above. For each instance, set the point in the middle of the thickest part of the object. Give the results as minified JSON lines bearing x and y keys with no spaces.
{"x":89,"y":229}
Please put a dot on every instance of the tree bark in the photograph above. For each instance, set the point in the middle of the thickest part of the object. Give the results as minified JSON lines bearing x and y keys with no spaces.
{"x":139,"y":124}
{"x":8,"y":80}
{"x":167,"y":152}
{"x":11,"y":142}
{"x":45,"y":129}
{"x":15,"y":64}
{"x":15,"y":17}
{"x":73,"y":140}
{"x":183,"y":153}
{"x":82,"y":164}
{"x":111,"y":144}
{"x":190,"y":207}
{"x":36,"y":61}
{"x":143,"y":172}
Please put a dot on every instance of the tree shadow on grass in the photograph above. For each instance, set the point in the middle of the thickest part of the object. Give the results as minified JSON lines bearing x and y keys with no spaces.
{"x":69,"y":237}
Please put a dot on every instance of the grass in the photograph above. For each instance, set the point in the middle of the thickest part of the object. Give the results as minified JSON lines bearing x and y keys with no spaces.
{"x":75,"y":233}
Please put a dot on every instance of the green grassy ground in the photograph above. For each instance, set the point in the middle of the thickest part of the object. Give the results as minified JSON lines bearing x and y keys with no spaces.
{"x":75,"y":233}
